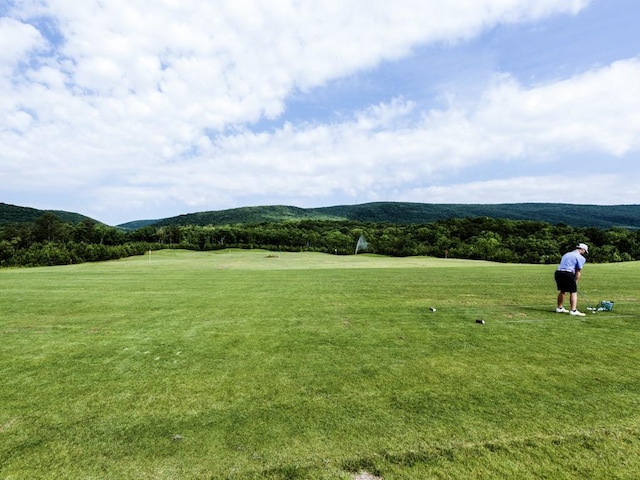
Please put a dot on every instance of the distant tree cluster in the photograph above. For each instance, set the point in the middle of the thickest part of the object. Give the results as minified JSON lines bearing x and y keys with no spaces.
{"x":50,"y":241}
{"x":481,"y":238}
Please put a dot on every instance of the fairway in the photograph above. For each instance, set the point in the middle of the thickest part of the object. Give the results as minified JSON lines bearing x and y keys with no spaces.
{"x":247,"y":364}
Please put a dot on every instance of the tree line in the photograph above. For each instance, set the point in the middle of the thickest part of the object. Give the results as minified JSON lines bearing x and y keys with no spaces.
{"x":51,"y":241}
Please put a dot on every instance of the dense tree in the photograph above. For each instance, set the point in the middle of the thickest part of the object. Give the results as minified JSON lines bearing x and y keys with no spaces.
{"x":49,"y":241}
{"x":48,"y":228}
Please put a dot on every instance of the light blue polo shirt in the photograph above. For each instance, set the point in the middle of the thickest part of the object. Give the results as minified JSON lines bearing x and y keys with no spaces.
{"x":571,"y":262}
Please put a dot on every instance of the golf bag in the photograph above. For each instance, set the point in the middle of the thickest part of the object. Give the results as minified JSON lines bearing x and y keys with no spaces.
{"x":605,"y":306}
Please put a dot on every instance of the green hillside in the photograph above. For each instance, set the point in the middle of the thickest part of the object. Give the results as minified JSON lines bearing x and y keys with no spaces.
{"x":15,"y":214}
{"x":274,"y":213}
{"x":136,"y":224}
{"x":599,"y":216}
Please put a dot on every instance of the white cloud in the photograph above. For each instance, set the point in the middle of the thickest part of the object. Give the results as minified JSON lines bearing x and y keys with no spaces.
{"x":229,"y":62}
{"x":510,"y":123}
{"x":600,"y":189}
{"x":154,"y":104}
{"x":377,"y":152}
{"x":17,"y":40}
{"x":595,"y":110}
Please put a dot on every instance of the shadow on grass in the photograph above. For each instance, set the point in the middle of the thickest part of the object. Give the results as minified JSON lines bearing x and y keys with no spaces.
{"x":550,"y":313}
{"x":407,"y":459}
{"x":289,"y":472}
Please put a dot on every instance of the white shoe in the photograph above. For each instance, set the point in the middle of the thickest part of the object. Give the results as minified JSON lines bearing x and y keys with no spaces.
{"x":561,"y":310}
{"x":576,"y":313}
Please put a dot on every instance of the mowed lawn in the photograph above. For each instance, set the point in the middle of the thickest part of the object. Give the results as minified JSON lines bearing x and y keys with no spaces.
{"x":254,"y":364}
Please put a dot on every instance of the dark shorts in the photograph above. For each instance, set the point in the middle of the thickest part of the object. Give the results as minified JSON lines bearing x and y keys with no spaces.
{"x":566,"y":281}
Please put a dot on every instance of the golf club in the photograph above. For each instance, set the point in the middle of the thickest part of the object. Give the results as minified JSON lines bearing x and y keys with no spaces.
{"x":590,"y":306}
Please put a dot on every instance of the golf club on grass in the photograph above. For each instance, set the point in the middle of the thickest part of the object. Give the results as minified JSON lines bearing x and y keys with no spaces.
{"x":590,"y":306}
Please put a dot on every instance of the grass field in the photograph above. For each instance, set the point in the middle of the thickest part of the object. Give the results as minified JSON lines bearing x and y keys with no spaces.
{"x":262,"y":365}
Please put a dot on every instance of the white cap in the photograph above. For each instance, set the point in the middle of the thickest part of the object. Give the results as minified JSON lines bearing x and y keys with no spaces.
{"x":583,"y":246}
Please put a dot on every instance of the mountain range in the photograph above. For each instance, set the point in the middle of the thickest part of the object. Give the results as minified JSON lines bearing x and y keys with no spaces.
{"x":599,"y":216}
{"x":15,"y":214}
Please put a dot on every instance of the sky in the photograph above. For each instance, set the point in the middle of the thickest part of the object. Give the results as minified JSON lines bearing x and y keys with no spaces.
{"x":146,"y":109}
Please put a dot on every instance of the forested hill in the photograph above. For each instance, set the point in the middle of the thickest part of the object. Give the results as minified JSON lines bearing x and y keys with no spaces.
{"x":522,"y":233}
{"x":249,"y":215}
{"x":599,"y":216}
{"x":15,"y":214}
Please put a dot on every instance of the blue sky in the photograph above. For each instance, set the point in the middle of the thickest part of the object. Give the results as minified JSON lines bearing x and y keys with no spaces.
{"x":125,"y":110}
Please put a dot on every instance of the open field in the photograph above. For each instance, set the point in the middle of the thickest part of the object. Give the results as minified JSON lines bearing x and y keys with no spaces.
{"x":263,"y":365}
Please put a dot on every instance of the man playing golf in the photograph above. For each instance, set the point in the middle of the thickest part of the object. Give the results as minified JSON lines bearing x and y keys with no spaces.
{"x":567,"y":276}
